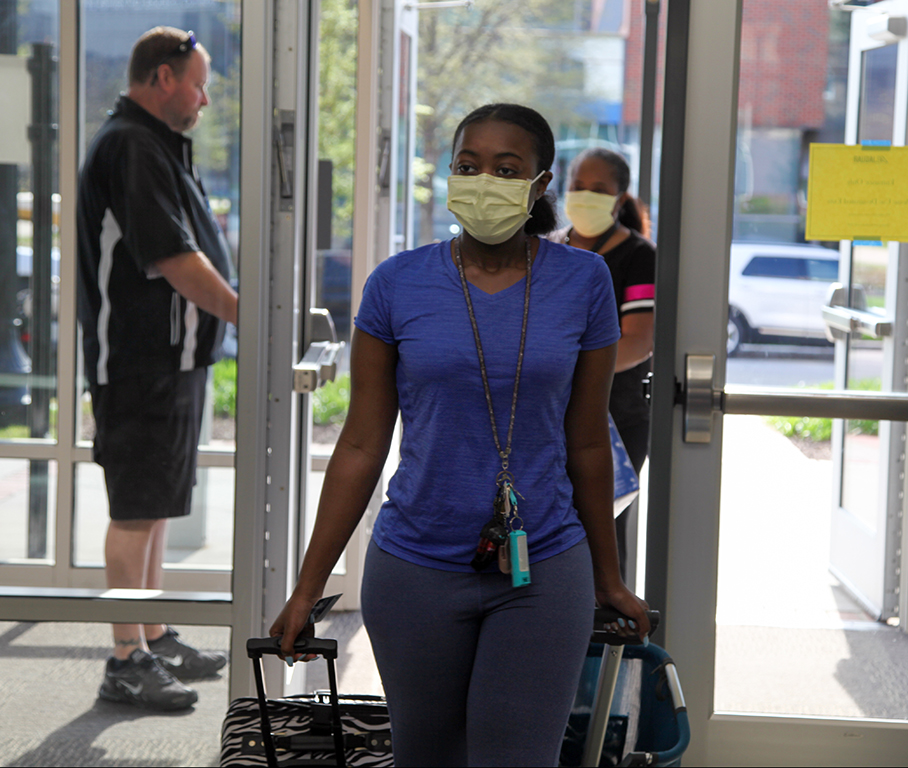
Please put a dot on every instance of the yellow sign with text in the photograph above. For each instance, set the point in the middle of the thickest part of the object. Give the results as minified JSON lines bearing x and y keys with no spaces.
{"x":857,"y":193}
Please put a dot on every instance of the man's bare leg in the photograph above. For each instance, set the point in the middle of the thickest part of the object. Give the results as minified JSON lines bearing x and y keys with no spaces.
{"x":154,"y":572}
{"x":126,"y":553}
{"x":141,"y":681}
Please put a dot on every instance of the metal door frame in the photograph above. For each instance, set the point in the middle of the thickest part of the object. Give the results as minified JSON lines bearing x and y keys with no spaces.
{"x":697,"y":184}
{"x":397,"y":17}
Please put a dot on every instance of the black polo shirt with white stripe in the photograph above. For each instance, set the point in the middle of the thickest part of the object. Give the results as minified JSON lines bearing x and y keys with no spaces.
{"x":140,"y":201}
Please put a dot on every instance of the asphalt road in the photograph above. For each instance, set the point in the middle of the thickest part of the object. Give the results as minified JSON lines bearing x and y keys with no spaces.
{"x":776,"y":365}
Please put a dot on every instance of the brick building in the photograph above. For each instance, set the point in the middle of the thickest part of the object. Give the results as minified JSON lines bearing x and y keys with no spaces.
{"x":787,"y":97}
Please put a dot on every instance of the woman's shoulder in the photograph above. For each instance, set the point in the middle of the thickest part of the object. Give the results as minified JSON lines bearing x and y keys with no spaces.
{"x":637,"y":243}
{"x":421,"y":258}
{"x":575,"y":270}
{"x":422,"y":252}
{"x":579,"y":257}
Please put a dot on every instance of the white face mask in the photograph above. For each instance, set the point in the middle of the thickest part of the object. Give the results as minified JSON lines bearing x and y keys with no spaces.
{"x":490,"y":208}
{"x":590,"y":212}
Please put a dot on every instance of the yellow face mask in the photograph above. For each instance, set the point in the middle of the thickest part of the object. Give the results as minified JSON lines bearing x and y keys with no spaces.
{"x":590,"y":212}
{"x":490,"y":208}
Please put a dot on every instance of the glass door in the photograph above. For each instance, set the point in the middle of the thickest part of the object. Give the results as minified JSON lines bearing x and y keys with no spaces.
{"x":55,"y":507}
{"x":200,"y":546}
{"x":371,"y":212}
{"x":869,"y":455}
{"x":775,"y":657}
{"x":52,"y":502}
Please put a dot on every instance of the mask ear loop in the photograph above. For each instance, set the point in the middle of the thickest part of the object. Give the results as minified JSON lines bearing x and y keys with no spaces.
{"x":530,"y":192}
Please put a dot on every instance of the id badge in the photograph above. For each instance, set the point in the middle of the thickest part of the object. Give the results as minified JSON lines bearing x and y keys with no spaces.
{"x":520,"y":558}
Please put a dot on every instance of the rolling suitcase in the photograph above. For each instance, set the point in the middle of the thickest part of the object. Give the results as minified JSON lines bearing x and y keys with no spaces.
{"x":314,"y":729}
{"x":629,"y":709}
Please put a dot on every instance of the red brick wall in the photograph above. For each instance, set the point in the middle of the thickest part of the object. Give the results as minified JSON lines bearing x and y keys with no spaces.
{"x":783,"y":62}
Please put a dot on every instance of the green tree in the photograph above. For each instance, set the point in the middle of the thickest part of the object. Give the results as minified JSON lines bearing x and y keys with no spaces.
{"x":218,"y":130}
{"x":508,"y":50}
{"x":337,"y":106}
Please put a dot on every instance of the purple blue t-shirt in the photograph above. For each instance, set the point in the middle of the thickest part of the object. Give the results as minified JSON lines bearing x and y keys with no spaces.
{"x":444,"y":487}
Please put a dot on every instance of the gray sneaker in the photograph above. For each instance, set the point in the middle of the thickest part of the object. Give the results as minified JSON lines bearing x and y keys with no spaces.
{"x":183,"y":661}
{"x":143,"y":682}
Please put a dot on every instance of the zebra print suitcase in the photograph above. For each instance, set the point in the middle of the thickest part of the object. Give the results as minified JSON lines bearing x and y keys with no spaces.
{"x":308,"y":729}
{"x":302,"y":731}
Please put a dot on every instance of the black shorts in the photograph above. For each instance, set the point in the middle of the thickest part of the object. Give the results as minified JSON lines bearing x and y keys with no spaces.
{"x":147,"y":439}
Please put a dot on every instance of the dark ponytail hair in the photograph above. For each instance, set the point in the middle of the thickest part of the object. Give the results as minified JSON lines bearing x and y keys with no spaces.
{"x":544,"y":218}
{"x":630,"y":214}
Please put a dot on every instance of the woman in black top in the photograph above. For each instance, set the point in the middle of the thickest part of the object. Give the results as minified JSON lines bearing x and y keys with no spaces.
{"x":605,"y":218}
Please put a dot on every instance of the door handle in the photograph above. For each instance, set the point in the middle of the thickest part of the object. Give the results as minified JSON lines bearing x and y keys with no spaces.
{"x":842,"y":320}
{"x":318,"y":366}
{"x":849,"y":320}
{"x":701,"y":399}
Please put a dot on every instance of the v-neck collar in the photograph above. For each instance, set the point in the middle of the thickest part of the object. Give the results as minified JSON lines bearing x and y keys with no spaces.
{"x":476,"y":291}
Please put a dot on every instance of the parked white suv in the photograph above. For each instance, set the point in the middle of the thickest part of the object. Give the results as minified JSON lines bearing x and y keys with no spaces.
{"x":776,"y":292}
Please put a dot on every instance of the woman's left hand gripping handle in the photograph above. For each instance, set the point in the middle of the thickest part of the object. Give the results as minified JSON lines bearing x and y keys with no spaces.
{"x":291,"y":621}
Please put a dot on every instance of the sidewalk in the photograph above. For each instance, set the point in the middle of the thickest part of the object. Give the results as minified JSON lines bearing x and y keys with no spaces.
{"x":789,"y":639}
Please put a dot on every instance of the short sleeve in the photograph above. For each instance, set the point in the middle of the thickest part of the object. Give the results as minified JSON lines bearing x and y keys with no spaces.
{"x":602,"y":328}
{"x":374,"y":316}
{"x":146,"y":201}
{"x":639,"y":294}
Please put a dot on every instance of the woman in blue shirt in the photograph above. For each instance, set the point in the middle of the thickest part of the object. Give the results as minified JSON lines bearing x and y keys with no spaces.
{"x":495,"y":540}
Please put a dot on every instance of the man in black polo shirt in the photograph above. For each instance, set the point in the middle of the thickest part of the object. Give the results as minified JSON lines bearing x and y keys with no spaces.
{"x":153,"y":300}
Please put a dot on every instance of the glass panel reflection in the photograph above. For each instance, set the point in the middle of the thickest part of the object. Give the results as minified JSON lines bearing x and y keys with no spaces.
{"x":860,"y":471}
{"x":877,"y":94}
{"x":28,"y":492}
{"x":202,"y":540}
{"x":29,"y":219}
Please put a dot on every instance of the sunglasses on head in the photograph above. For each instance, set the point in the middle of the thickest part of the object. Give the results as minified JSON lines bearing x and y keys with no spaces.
{"x":189,"y":44}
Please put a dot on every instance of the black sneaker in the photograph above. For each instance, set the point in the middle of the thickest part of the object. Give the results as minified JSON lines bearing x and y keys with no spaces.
{"x":143,"y":682}
{"x":183,"y":661}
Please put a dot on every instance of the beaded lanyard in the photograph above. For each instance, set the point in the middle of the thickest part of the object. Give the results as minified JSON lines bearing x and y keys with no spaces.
{"x":503,"y":534}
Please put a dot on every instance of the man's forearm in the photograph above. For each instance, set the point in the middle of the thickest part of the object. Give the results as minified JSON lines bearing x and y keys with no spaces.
{"x":194,"y":277}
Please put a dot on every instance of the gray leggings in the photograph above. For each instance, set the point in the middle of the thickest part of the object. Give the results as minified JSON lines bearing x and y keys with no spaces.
{"x":478,"y":673}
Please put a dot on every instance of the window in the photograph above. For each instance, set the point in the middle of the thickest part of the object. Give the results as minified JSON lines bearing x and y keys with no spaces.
{"x":776,"y":266}
{"x":822,"y":269}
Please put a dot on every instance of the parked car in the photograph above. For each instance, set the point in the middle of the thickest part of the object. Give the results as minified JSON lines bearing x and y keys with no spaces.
{"x":776,"y":293}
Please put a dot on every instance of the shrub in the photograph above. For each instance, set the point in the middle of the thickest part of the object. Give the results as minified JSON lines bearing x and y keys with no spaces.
{"x":331,"y":401}
{"x":224,"y":384}
{"x":819,"y":430}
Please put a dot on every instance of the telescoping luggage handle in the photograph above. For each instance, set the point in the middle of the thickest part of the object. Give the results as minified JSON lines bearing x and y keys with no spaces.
{"x":257,"y":647}
{"x":608,"y":676}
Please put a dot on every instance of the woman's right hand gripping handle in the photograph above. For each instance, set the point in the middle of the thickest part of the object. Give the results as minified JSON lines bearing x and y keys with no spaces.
{"x":291,"y":622}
